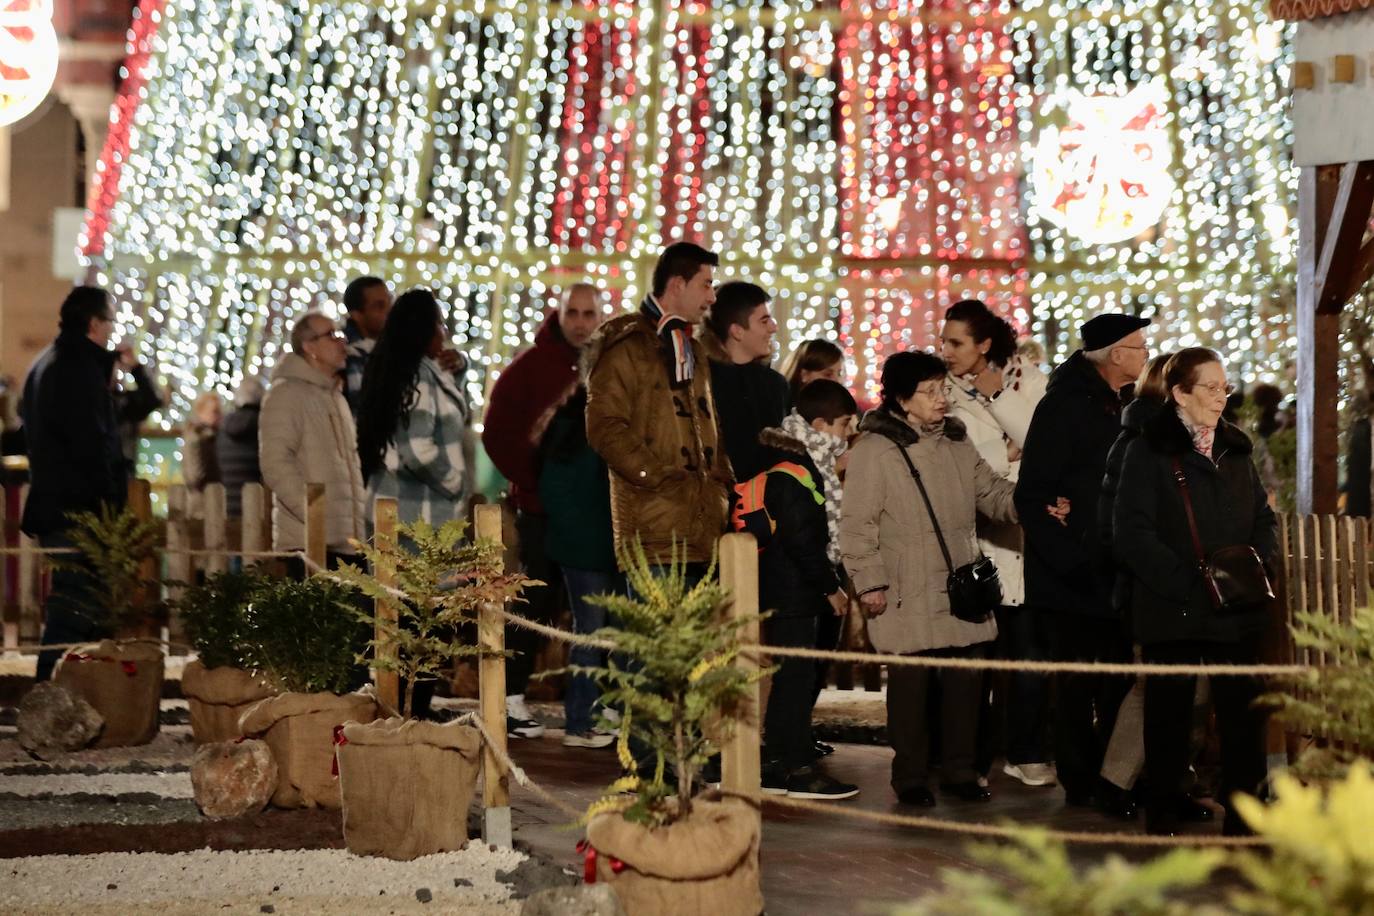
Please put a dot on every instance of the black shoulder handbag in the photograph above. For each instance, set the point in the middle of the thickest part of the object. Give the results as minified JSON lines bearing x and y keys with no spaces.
{"x":975,"y":589}
{"x":1235,"y":578}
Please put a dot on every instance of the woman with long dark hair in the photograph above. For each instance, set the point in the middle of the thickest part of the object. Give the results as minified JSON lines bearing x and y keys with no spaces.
{"x":993,"y":391}
{"x":412,"y":417}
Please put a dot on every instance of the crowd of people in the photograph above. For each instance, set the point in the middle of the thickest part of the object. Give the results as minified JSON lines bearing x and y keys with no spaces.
{"x":980,"y":509}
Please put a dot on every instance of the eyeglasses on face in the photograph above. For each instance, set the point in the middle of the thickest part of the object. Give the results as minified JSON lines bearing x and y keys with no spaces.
{"x":330,"y":334}
{"x":1216,"y":390}
{"x":936,"y":392}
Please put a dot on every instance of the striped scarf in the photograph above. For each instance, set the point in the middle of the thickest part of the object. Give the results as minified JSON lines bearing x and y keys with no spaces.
{"x":1203,"y":436}
{"x":825,"y":450}
{"x":677,"y":334}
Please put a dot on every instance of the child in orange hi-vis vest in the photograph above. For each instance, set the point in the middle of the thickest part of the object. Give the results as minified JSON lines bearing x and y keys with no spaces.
{"x":793,"y":510}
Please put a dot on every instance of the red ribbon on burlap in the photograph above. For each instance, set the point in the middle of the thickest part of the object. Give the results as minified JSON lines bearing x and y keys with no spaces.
{"x":130,"y":668}
{"x":339,"y":739}
{"x":589,"y":862}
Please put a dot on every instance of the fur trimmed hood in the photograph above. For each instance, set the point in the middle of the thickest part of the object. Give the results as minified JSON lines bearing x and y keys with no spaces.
{"x":1166,"y":434}
{"x":777,"y":438}
{"x":613,"y":332}
{"x":882,"y":421}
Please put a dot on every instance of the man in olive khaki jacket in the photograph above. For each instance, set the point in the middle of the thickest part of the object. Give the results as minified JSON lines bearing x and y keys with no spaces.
{"x":306,"y":435}
{"x":651,"y":415}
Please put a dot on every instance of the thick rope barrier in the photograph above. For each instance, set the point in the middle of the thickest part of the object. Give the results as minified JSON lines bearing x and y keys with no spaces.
{"x":521,"y":778}
{"x":974,"y":664}
{"x":995,"y":831}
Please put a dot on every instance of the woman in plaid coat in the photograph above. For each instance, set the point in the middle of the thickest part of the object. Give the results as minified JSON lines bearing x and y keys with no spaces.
{"x":412,"y":417}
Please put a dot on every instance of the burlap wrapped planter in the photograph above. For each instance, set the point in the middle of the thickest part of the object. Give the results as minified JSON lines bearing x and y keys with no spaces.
{"x":407,"y":786}
{"x":123,"y":681}
{"x":299,"y":728}
{"x":706,"y":865}
{"x":218,"y":697}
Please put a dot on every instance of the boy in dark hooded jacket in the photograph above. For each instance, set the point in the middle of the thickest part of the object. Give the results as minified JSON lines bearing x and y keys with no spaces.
{"x":793,"y":509}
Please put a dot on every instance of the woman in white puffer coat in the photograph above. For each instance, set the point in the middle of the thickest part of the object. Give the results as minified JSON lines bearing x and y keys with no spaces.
{"x":993,"y":392}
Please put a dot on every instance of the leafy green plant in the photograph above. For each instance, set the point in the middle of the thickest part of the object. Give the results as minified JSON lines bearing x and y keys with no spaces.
{"x":307,"y":635}
{"x":671,"y":672}
{"x":1044,"y":881}
{"x":115,"y":546}
{"x":1321,"y":863}
{"x":1334,"y":701}
{"x":215,"y":614}
{"x":446,"y":580}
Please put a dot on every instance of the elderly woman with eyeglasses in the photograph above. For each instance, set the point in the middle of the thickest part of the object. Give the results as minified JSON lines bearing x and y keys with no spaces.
{"x":1189,"y":488}
{"x":890,"y":546}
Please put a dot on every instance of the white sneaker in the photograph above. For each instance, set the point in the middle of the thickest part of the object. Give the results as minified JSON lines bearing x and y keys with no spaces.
{"x":592,"y":739}
{"x":1031,"y":774}
{"x":520,"y":722}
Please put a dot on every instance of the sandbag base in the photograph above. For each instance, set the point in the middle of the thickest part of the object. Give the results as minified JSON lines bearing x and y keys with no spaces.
{"x":407,"y":786}
{"x":216,"y":698}
{"x":706,"y":864}
{"x":123,"y":681}
{"x":299,"y":728}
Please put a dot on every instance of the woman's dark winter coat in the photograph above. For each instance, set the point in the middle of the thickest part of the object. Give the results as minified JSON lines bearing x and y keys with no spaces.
{"x":1074,"y":426}
{"x":795,"y":573}
{"x":1169,"y":600}
{"x":237,"y":446}
{"x":1133,"y":420}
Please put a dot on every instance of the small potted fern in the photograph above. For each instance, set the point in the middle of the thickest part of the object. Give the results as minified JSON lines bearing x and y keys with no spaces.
{"x":446,"y":579}
{"x":121,"y":676}
{"x":221,"y":682}
{"x":305,"y":638}
{"x":671,"y":672}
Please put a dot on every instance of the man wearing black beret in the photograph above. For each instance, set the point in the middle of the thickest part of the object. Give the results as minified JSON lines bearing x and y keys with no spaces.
{"x":1069,"y":573}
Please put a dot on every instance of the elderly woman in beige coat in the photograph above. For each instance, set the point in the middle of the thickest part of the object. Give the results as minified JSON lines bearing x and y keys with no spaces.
{"x":889,"y":547}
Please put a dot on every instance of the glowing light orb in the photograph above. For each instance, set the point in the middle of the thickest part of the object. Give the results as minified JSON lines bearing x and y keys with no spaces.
{"x":28,"y":56}
{"x":1104,"y":177}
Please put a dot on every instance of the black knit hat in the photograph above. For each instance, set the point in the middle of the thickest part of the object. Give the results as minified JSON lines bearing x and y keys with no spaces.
{"x":1105,"y":330}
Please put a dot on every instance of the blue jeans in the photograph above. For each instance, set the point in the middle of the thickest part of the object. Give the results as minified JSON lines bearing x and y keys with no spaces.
{"x":67,"y":613}
{"x":582,"y":693}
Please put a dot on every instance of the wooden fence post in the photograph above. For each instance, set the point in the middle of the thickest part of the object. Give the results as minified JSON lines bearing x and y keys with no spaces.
{"x":9,"y":638}
{"x":141,"y":504}
{"x":491,"y":667}
{"x":388,"y":682}
{"x":30,"y":616}
{"x":739,"y":576}
{"x":254,"y":535}
{"x":316,"y":534}
{"x":216,"y":534}
{"x":179,"y":565}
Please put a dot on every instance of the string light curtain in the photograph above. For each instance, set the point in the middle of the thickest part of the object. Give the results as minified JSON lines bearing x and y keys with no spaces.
{"x":868,"y":161}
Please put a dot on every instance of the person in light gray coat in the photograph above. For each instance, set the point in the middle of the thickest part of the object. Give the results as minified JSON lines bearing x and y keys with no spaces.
{"x":306,"y":435}
{"x":888,"y":545}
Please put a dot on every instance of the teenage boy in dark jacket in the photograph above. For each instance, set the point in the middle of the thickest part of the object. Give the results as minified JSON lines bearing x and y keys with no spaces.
{"x":799,"y":572}
{"x":750,"y":396}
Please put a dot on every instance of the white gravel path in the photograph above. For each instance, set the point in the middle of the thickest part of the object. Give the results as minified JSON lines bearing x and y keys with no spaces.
{"x":163,"y":785}
{"x":309,"y":881}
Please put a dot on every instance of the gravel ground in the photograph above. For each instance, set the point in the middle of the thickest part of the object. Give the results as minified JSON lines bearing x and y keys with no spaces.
{"x":24,"y":814}
{"x":290,"y":882}
{"x":172,"y":747}
{"x":101,"y":785}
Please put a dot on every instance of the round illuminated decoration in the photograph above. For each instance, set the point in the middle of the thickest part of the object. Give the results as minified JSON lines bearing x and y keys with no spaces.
{"x":28,"y":56}
{"x":1104,"y":176}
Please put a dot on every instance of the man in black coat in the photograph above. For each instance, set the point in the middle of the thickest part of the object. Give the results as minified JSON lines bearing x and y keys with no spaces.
{"x":1069,"y":574}
{"x":237,"y":445}
{"x":76,"y":462}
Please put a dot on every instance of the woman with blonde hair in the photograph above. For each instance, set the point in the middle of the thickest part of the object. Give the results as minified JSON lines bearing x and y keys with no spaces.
{"x":200,"y":450}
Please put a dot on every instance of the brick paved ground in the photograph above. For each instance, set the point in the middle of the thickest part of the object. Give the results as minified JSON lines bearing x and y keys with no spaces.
{"x":812,"y":864}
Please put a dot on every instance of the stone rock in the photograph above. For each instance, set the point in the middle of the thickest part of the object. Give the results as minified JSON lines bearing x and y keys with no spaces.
{"x":577,"y":900}
{"x":53,"y":720}
{"x":233,"y":778}
{"x":534,"y":874}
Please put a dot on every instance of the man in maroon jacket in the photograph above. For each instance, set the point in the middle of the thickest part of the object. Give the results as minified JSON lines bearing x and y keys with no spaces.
{"x":523,"y":401}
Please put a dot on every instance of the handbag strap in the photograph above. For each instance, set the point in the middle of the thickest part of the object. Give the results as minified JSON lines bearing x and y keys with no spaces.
{"x":1192,"y":520}
{"x":920,"y":485}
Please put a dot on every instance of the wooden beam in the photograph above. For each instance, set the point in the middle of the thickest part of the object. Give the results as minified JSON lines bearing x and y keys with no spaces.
{"x":1344,"y":220}
{"x":1318,"y":343}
